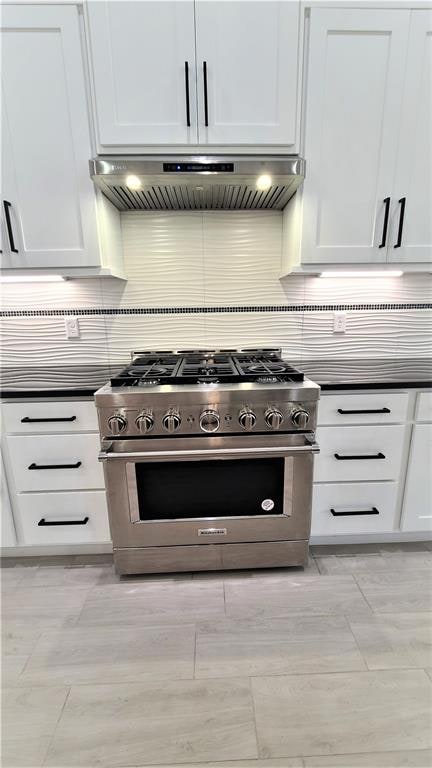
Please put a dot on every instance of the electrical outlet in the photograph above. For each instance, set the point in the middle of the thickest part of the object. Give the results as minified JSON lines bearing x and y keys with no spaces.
{"x":339,"y":322}
{"x":72,"y":328}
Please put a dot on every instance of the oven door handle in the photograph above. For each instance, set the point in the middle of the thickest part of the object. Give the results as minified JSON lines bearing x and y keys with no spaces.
{"x":209,"y":453}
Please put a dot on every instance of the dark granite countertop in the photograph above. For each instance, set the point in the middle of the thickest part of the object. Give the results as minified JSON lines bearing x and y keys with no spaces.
{"x":352,"y":374}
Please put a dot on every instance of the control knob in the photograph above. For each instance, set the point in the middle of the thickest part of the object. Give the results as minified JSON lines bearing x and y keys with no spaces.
{"x":273,"y":418}
{"x":247,"y":418}
{"x":171,"y":421}
{"x":117,"y":423}
{"x":209,"y":420}
{"x":300,"y":418}
{"x":144,"y":422}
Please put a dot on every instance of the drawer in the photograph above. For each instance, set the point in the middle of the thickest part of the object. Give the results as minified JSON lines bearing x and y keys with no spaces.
{"x":65,"y":416}
{"x":83,"y":514}
{"x":379,"y":408}
{"x":385,"y":442}
{"x":424,"y":406}
{"x":352,"y":499}
{"x":78,"y":452}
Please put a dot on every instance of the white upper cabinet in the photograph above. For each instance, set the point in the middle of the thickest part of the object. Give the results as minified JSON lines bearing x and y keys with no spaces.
{"x":191,"y":73}
{"x":143,"y":61}
{"x":47,"y":198}
{"x":413,"y":188}
{"x":354,"y":98}
{"x":247,"y":72}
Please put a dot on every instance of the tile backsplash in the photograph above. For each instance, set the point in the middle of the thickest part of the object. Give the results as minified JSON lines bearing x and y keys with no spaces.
{"x":211,"y":280}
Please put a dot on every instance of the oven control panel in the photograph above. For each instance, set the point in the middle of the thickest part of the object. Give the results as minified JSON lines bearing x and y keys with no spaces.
{"x":213,"y":418}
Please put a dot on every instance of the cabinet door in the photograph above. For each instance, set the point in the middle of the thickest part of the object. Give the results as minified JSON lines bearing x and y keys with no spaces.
{"x":414,"y":161}
{"x":417,"y":506}
{"x":8,"y":537}
{"x":44,"y":113}
{"x":354,"y":93}
{"x":250,"y":50}
{"x":139,"y":50}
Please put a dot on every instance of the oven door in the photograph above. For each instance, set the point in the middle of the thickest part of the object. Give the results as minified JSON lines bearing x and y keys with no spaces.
{"x":206,"y":490}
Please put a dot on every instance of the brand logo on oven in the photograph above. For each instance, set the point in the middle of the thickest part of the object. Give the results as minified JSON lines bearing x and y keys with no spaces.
{"x":212,"y":531}
{"x":267,"y":504}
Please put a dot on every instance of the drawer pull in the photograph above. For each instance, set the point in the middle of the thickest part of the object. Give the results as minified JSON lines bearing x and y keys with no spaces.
{"x":368,"y":410}
{"x":55,"y":466}
{"x":44,"y":522}
{"x":29,"y":420}
{"x":7,"y":206}
{"x":373,"y":511}
{"x":359,"y":456}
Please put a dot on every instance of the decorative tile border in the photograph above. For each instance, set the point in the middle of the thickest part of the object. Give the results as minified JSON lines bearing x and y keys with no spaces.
{"x":211,"y":310}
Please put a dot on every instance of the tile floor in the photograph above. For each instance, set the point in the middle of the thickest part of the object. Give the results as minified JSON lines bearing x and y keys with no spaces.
{"x":326,"y":667}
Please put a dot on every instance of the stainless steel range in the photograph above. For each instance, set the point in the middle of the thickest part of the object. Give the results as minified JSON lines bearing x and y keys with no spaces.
{"x":208,"y":459}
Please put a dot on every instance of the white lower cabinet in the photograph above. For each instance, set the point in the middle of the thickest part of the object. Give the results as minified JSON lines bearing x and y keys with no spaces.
{"x":8,"y":537}
{"x":47,"y":417}
{"x":424,"y":407}
{"x":62,"y":518}
{"x":360,"y":408}
{"x":353,"y":508}
{"x":56,"y":484}
{"x":372,"y":475}
{"x":55,"y":463}
{"x":417,"y":507}
{"x":359,"y":453}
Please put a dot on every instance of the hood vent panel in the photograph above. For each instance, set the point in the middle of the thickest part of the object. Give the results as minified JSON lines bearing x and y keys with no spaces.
{"x":184,"y":198}
{"x":197,"y":191}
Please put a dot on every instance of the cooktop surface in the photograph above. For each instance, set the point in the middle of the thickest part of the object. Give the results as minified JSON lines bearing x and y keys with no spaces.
{"x":197,"y":366}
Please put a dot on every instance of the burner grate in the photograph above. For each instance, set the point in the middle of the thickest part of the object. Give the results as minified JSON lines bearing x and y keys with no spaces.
{"x":199,"y":366}
{"x":261,"y":366}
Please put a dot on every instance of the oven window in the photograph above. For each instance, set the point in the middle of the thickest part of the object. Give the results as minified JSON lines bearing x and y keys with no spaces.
{"x":218,"y":488}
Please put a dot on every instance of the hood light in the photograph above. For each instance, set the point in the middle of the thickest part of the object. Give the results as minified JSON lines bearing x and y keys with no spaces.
{"x":263,"y":182}
{"x":31,"y":279}
{"x":133,"y":183}
{"x":366,"y":273}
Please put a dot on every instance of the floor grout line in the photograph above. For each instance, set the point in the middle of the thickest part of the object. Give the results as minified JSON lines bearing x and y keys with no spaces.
{"x":51,"y":738}
{"x":154,"y":681}
{"x":254,"y":718}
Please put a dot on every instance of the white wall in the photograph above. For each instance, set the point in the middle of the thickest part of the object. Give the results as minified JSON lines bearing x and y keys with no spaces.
{"x":193,"y":261}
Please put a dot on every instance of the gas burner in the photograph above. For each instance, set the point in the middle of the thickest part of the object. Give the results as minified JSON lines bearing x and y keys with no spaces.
{"x":143,"y":370}
{"x":267,"y":367}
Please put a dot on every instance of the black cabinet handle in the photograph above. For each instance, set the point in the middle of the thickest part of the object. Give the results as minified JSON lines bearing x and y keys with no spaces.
{"x":359,"y":456}
{"x":44,"y":522}
{"x":373,"y":511}
{"x":205,"y":94}
{"x":55,"y":466}
{"x":386,"y":202}
{"x":187,"y":94}
{"x":402,"y":202}
{"x":368,"y":410}
{"x":7,"y":206}
{"x":29,"y":420}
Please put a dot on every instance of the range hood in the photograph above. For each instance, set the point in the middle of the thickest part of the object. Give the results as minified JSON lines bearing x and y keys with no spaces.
{"x":189,"y":182}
